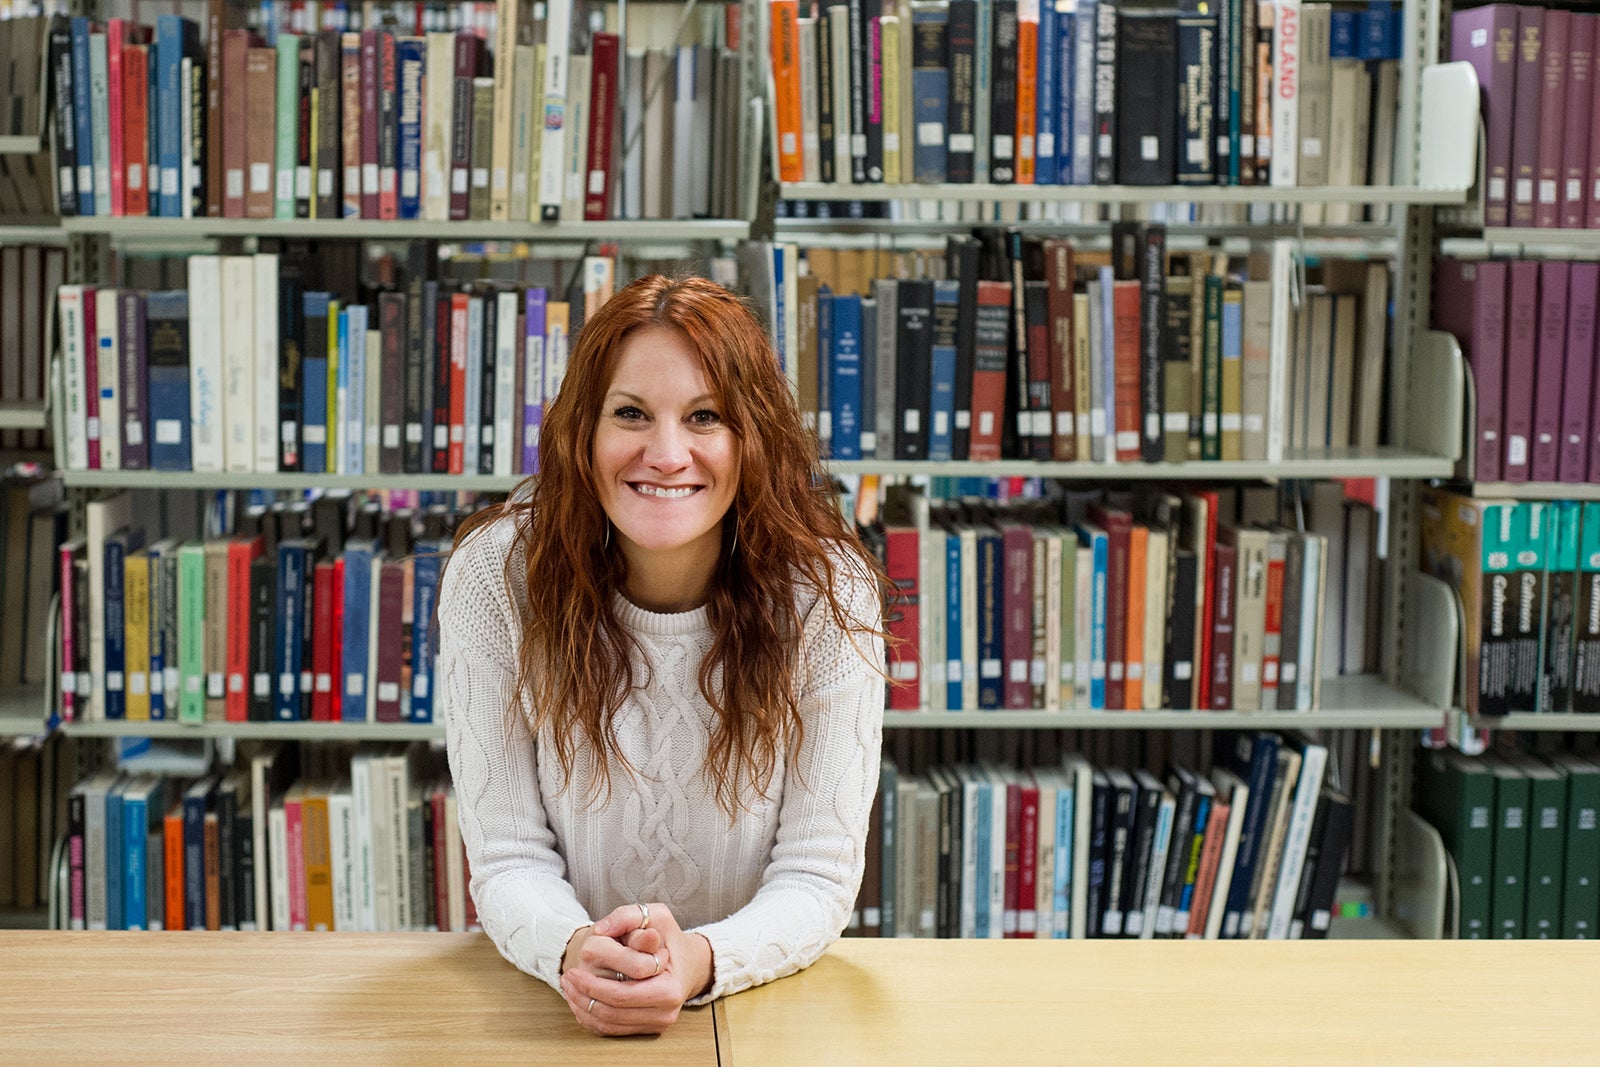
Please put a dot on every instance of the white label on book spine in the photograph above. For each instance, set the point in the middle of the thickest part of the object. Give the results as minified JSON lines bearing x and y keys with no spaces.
{"x":1002,"y":146}
{"x":419,"y":686}
{"x":1497,"y":189}
{"x":316,"y":434}
{"x":324,"y":682}
{"x":214,"y":686}
{"x":135,"y":176}
{"x":1019,"y":670}
{"x":1311,"y":146}
{"x":285,"y":183}
{"x":989,"y":669}
{"x":1064,"y":423}
{"x":133,"y":432}
{"x":964,"y":419}
{"x":858,"y":144}
{"x":1047,"y":145}
{"x":1182,"y":670}
{"x":1150,"y":149}
{"x":388,"y":692}
{"x":913,"y":420}
{"x":136,"y":683}
{"x":1103,"y":144}
{"x":480,"y":177}
{"x":324,"y":182}
{"x":1231,"y":421}
{"x":1152,"y":425}
{"x":1247,"y":145}
{"x":1127,"y":439}
{"x":891,"y":141}
{"x":355,"y":684}
{"x":1177,"y":422}
{"x":391,"y":436}
{"x":236,"y":683}
{"x":962,"y":142}
{"x":286,"y":683}
{"x":1136,"y":671}
{"x":302,"y":182}
{"x":985,"y":423}
{"x":169,"y":431}
{"x":1254,"y":424}
{"x":305,"y":681}
{"x":930,"y":134}
{"x":1516,"y":450}
{"x":414,"y":433}
{"x":171,"y":679}
{"x":1547,"y":191}
{"x":1195,"y":151}
{"x":1524,"y":189}
{"x":86,"y":177}
{"x":869,"y":441}
{"x":441,"y":436}
{"x":597,"y":182}
{"x":1036,"y":672}
{"x":1097,"y":422}
{"x":952,"y":670}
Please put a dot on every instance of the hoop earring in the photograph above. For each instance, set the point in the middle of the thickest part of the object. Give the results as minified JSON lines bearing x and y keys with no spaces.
{"x":734,"y":547}
{"x":607,"y":543}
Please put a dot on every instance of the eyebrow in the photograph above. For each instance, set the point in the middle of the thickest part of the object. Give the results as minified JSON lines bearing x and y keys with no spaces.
{"x":703,"y":398}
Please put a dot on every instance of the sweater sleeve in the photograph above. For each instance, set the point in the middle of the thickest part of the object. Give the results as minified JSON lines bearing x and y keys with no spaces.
{"x":519,"y":885}
{"x":817,"y":860}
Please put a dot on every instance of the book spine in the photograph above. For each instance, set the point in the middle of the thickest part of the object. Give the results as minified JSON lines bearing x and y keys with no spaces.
{"x":1553,"y":84}
{"x":1525,"y":129}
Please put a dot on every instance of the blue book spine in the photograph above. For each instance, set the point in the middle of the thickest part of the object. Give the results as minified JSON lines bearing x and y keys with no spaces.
{"x":173,"y":33}
{"x":1048,"y":95}
{"x":357,"y":605}
{"x":116,"y":645}
{"x":1263,"y":766}
{"x":1202,"y":812}
{"x":1197,"y":33}
{"x":115,"y":863}
{"x":1061,"y":877}
{"x":158,"y":643}
{"x":291,"y":616}
{"x":846,"y":367}
{"x":167,"y":315}
{"x":152,"y":146}
{"x":194,"y":856}
{"x":534,"y":305}
{"x":83,"y":131}
{"x":1066,"y":46}
{"x":411,"y":56}
{"x":982,"y":840}
{"x":991,"y":578}
{"x":135,"y":879}
{"x":930,"y":89}
{"x":314,"y":391}
{"x":953,"y":669}
{"x":1083,"y":95}
{"x":825,"y":370}
{"x":1095,"y":540}
{"x":424,"y":639}
{"x":942,"y":398}
{"x":780,"y":310}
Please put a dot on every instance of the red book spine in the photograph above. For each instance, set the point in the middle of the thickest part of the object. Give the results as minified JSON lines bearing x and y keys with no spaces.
{"x":1125,"y":313}
{"x":297,"y":862}
{"x":1028,"y":864}
{"x":1552,"y":118}
{"x":990,"y":356}
{"x":91,"y":377}
{"x":369,"y":124}
{"x":1013,"y":886}
{"x":1017,"y":613}
{"x":1487,"y":38}
{"x":388,"y":191}
{"x":902,"y":562}
{"x":1208,"y":604}
{"x":391,"y":590}
{"x":1118,"y":526}
{"x":1059,"y":275}
{"x":136,"y":127}
{"x":1205,"y":882}
{"x":785,"y":58}
{"x":236,"y":696}
{"x":437,"y":854}
{"x":1223,"y":560}
{"x":1522,"y":345}
{"x":602,"y":126}
{"x":1554,"y":279}
{"x":1525,"y":127}
{"x":1272,"y":632}
{"x":322,"y":643}
{"x":458,"y":380}
{"x":116,"y":37}
{"x":235,"y":49}
{"x":1579,"y":112}
{"x":336,"y":638}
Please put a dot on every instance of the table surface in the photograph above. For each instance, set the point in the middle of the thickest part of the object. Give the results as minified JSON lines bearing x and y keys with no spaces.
{"x":229,"y":998}
{"x":1175,"y":1002}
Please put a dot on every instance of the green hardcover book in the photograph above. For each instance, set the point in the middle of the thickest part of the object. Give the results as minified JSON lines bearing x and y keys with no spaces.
{"x":1586,"y":614}
{"x":1509,"y":898}
{"x":1580,"y":876}
{"x":1532,"y":533}
{"x":192,"y":632}
{"x":1561,"y":580}
{"x":287,"y":156}
{"x":1547,"y":842}
{"x":1211,"y":371}
{"x":1465,"y":795}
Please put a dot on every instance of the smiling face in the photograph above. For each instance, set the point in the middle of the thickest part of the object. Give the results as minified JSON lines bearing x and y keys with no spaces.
{"x":666,"y":468}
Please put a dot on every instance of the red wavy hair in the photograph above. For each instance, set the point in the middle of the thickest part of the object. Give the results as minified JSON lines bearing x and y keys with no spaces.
{"x":574,"y":657}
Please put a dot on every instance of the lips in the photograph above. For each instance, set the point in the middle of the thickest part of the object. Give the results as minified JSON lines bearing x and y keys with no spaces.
{"x":664,"y":492}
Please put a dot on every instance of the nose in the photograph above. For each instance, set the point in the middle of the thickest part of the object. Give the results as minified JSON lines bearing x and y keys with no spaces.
{"x":668,"y":446}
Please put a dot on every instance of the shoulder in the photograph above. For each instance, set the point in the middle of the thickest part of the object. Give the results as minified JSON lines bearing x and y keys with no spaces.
{"x":854,"y":588}
{"x":475,"y":575}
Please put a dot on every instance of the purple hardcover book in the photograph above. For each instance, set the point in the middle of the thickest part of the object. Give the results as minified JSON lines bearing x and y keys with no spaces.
{"x":1486,"y":37}
{"x":533,"y":379}
{"x":1552,"y":359}
{"x":1469,"y":303}
{"x":1525,"y":122}
{"x":1522,"y":347}
{"x":1552,"y":119}
{"x":1580,"y":106}
{"x":1583,"y":291}
{"x":135,"y":400}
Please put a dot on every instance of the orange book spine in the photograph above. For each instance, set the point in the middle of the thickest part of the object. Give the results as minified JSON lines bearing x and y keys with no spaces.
{"x":1205,"y":879}
{"x":172,"y":847}
{"x":213,"y":862}
{"x":786,"y":87}
{"x":135,"y":129}
{"x":1027,"y":96}
{"x":1129,"y":411}
{"x":319,"y":862}
{"x":1133,"y":654}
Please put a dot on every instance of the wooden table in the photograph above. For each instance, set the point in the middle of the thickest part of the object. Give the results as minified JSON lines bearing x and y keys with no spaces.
{"x":1000,"y":1004}
{"x":232,"y":998}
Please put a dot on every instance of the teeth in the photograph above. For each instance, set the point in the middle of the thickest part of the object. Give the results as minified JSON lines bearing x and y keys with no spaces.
{"x":665,"y":494}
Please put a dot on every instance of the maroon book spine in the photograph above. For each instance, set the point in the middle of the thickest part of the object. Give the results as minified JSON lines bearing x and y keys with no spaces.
{"x":1591,"y":189}
{"x":1583,"y":292}
{"x":1552,"y":118}
{"x":1486,"y":37}
{"x":1525,"y":124}
{"x":461,"y":126}
{"x":1579,"y":114}
{"x":215,"y":16}
{"x":1224,"y":558}
{"x":235,"y":46}
{"x":441,"y":386}
{"x":901,"y":553}
{"x":388,"y":128}
{"x":391,"y":602}
{"x":1017,"y":609}
{"x":1058,"y":267}
{"x":369,"y":124}
{"x":391,"y":392}
{"x":605,"y":50}
{"x":1521,"y":365}
{"x":1469,"y":302}
{"x":1553,"y":282}
{"x":1117,"y":525}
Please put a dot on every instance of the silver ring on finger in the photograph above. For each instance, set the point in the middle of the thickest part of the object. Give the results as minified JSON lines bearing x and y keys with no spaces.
{"x":658,"y":965}
{"x":621,"y":977}
{"x":644,"y":922}
{"x":591,"y":1006}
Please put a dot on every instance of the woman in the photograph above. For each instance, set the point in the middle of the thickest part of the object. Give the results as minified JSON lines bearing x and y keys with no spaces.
{"x":663,"y":675}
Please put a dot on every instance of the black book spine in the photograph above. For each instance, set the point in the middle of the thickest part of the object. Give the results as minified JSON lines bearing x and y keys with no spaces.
{"x":858,"y":91}
{"x":491,"y":353}
{"x":1308,"y":868}
{"x":66,"y":131}
{"x":1105,"y":92}
{"x":1177,"y":850}
{"x":326,"y":179}
{"x":1197,"y":83}
{"x":1147,"y":803}
{"x":227,"y":859}
{"x":1117,"y":854}
{"x":872,"y":69}
{"x":1100,"y":820}
{"x":1154,"y":343}
{"x":244,"y":848}
{"x":1177,"y":689}
{"x":965,"y":256}
{"x":1003,"y":95}
{"x":912,"y":368}
{"x":825,"y":115}
{"x":263,"y":604}
{"x":1331,"y":855}
{"x":421,"y":400}
{"x":963,"y":31}
{"x":290,"y":340}
{"x":303,"y":179}
{"x":1147,"y":118}
{"x":441,"y":385}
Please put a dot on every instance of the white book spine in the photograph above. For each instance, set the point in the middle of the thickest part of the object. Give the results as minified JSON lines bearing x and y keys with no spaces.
{"x":1311,"y":586}
{"x":1158,"y":866}
{"x":399,"y":845}
{"x":436,"y":127}
{"x":1286,"y":98}
{"x":108,"y":368}
{"x":633,"y":135}
{"x":810,"y":141}
{"x":238,"y":362}
{"x":505,"y":384}
{"x":278,"y":855}
{"x":686,"y":142}
{"x":341,"y":854}
{"x":1230,"y":854}
{"x":266,"y":362}
{"x":574,"y":178}
{"x":382,"y":844}
{"x":1307,"y":789}
{"x":553,"y":155}
{"x":361,"y":832}
{"x":186,"y":168}
{"x":69,"y":303}
{"x":1283,"y":312}
{"x":454,"y":869}
{"x":355,"y":411}
{"x":474,"y":379}
{"x":205,"y":363}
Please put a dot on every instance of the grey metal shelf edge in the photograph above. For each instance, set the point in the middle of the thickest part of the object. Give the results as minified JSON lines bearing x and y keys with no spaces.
{"x":633,"y":231}
{"x":1379,"y":236}
{"x":1534,"y":490}
{"x":21,"y":144}
{"x":22,"y":711}
{"x":1581,"y":244}
{"x":1552,"y":722}
{"x":1382,"y":462}
{"x":14,"y":416}
{"x":1132,"y":194}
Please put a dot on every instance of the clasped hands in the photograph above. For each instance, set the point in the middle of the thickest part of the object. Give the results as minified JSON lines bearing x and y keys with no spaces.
{"x":632,"y":971}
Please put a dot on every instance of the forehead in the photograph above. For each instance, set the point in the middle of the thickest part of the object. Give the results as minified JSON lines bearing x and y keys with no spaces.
{"x":658,"y":360}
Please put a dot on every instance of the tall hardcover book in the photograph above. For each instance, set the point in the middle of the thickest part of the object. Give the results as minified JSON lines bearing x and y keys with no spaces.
{"x":1486,"y":37}
{"x":1147,"y":101}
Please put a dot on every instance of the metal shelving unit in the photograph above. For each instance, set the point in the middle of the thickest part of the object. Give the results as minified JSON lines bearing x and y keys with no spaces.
{"x":296,"y":731}
{"x":633,"y":231}
{"x":1130,"y":194}
{"x":14,"y":416}
{"x":22,"y":712}
{"x":1535,"y":490}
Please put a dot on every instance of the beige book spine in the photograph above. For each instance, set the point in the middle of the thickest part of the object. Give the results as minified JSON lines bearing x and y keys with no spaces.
{"x":892,"y":89}
{"x":507,"y":22}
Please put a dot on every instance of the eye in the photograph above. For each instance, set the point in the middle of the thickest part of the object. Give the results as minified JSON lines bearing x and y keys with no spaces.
{"x":627,"y":413}
{"x":705,"y":418}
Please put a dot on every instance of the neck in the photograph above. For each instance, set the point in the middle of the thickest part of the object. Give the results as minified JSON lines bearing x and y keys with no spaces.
{"x":671,"y":583}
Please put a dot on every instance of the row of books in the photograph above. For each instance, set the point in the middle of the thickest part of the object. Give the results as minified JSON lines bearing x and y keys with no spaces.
{"x":1022,"y":347}
{"x":1252,"y":849}
{"x":1528,"y":574}
{"x":167,"y":121}
{"x":370,"y":843}
{"x":33,"y":523}
{"x":1527,"y":330}
{"x":29,"y":276}
{"x":1523,"y":833}
{"x":296,"y":614}
{"x":1087,"y":92}
{"x":1537,"y":86}
{"x":1123,"y":601}
{"x":269,"y":17}
{"x":252,"y":369}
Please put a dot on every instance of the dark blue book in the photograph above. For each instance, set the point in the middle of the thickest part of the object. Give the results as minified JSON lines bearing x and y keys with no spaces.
{"x":845,"y":364}
{"x":953,"y":671}
{"x":117,"y":547}
{"x":942,"y":391}
{"x":116,"y":867}
{"x":426,"y":566}
{"x":82,"y":129}
{"x":930,"y":91}
{"x":991,"y":634}
{"x":176,"y":38}
{"x":354,"y":699}
{"x":158,"y":627}
{"x":263,"y":633}
{"x":314,"y":392}
{"x":167,"y":345}
{"x":1047,"y":97}
{"x":1197,"y":76}
{"x":411,"y":57}
{"x":1256,"y":762}
{"x":825,"y":370}
{"x":1100,"y":819}
{"x":294,"y":567}
{"x":1066,"y":48}
{"x":1094,"y":539}
{"x":197,"y":799}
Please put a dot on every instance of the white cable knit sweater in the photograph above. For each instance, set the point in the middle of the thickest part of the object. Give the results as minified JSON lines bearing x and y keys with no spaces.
{"x":771,"y":893}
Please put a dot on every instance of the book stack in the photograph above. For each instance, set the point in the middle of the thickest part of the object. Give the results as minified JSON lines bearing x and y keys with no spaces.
{"x":363,"y":841}
{"x":252,"y":369}
{"x":1251,"y":849}
{"x":1537,"y":84}
{"x":1012,"y":346}
{"x":520,"y":118}
{"x":29,"y":276}
{"x":1088,"y":92}
{"x":1178,"y":599}
{"x":1522,"y":831}
{"x":319,"y":613}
